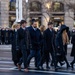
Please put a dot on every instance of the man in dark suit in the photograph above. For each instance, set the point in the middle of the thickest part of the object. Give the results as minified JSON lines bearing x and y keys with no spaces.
{"x":22,"y":39}
{"x":49,"y":40}
{"x":28,"y":51}
{"x":36,"y":39}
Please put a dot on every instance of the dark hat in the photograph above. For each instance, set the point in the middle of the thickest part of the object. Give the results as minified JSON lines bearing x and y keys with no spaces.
{"x":64,"y":27}
{"x":50,"y":23}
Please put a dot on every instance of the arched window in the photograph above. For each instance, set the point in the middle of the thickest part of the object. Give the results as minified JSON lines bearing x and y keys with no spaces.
{"x":35,"y":6}
{"x":12,"y":5}
{"x":58,"y":7}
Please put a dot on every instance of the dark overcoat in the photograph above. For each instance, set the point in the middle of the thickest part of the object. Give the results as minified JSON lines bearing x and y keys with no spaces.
{"x":49,"y":40}
{"x":36,"y":38}
{"x":73,"y":47}
{"x":24,"y":38}
{"x":59,"y":41}
{"x":16,"y":53}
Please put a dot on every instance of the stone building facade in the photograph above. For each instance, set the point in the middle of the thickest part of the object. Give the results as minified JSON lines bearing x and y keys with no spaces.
{"x":42,"y":10}
{"x":4,"y":13}
{"x":56,"y":10}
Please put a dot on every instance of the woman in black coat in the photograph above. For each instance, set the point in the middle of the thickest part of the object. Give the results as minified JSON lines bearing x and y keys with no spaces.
{"x":60,"y":41}
{"x":73,"y":50}
{"x":16,"y":53}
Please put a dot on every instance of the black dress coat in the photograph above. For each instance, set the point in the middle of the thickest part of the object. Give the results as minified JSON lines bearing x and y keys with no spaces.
{"x":36,"y":38}
{"x":24,"y":38}
{"x":49,"y":40}
{"x":16,"y":53}
{"x":59,"y":41}
{"x":73,"y":48}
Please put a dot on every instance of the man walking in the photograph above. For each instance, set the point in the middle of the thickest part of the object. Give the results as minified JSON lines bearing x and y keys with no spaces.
{"x":49,"y":40}
{"x":22,"y":39}
{"x":36,"y":39}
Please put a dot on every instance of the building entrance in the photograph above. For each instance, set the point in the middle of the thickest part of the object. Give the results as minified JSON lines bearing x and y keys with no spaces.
{"x":57,"y":20}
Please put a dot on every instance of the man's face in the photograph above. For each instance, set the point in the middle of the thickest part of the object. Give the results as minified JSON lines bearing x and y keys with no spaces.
{"x":50,"y":26}
{"x":35,"y":24}
{"x":24,"y":24}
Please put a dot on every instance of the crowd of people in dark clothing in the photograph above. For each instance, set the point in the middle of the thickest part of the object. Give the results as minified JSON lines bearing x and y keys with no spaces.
{"x":45,"y":45}
{"x":5,"y":36}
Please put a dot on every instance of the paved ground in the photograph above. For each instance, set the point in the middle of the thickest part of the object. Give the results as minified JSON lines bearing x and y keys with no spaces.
{"x":7,"y":67}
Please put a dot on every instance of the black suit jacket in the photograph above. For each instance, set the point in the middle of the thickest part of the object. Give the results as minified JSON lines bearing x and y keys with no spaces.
{"x":36,"y":38}
{"x":23,"y":38}
{"x":49,"y":39}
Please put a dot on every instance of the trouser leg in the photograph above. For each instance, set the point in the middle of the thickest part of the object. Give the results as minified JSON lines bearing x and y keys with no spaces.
{"x":35,"y":61}
{"x":47,"y":59}
{"x":31,"y":55}
{"x":24,"y":56}
{"x":38,"y":56}
{"x":73,"y":61}
{"x":42,"y":60}
{"x":65,"y":59}
{"x":54,"y":59}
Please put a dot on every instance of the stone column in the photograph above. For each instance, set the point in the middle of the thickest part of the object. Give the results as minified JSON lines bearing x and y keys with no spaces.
{"x":68,"y":14}
{"x":0,"y":12}
{"x":68,"y":20}
{"x":45,"y":16}
{"x":26,"y":11}
{"x":45,"y":19}
{"x":4,"y":13}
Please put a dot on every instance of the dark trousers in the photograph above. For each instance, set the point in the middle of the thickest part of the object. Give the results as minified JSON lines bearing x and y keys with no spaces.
{"x":34,"y":53}
{"x":24,"y":56}
{"x":65,"y":47}
{"x":59,"y":59}
{"x":45,"y":58}
{"x":14,"y":56}
{"x":73,"y":61}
